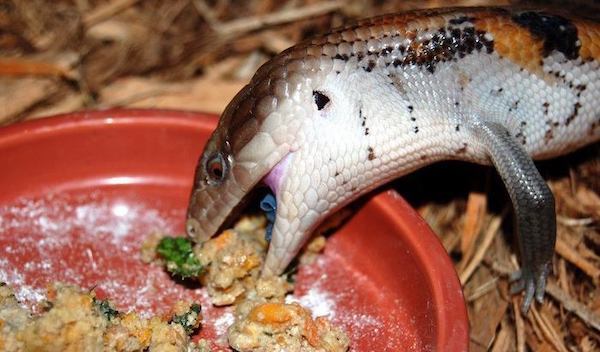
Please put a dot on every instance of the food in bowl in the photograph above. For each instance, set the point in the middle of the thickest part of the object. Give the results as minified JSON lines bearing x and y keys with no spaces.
{"x":231,"y":264}
{"x":270,"y":326}
{"x":75,"y":320}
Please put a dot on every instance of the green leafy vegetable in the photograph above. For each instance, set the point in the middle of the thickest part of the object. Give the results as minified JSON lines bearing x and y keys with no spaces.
{"x":179,"y":256}
{"x":189,"y":320}
{"x":106,"y":308}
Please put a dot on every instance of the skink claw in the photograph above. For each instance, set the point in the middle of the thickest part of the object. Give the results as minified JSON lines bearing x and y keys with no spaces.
{"x":533,"y":285}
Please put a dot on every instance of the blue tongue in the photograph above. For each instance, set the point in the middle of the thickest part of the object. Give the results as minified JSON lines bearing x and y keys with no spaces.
{"x":269,"y":205}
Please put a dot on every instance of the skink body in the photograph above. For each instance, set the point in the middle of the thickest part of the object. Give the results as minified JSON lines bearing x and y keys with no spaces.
{"x":332,"y":118}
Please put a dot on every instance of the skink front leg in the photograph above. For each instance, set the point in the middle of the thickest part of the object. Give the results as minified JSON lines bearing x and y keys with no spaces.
{"x":533,"y":204}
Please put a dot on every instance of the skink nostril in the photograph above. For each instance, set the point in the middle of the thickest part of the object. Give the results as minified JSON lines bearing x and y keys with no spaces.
{"x":193,"y":229}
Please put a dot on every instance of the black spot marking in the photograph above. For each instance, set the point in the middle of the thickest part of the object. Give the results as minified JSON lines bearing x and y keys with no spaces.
{"x":413,"y":118}
{"x":416,"y":129}
{"x":573,"y":115}
{"x":320,"y":99}
{"x":548,"y":136}
{"x":521,"y":136}
{"x":364,"y":120}
{"x":371,"y":153}
{"x":370,"y":66}
{"x":580,"y":88}
{"x":456,"y":103}
{"x":557,"y":33}
{"x":446,"y":45}
{"x":514,"y":106}
{"x":457,"y":128}
{"x":460,"y":20}
{"x":341,"y":57}
{"x":337,"y":173}
{"x":410,"y":108}
{"x":546,"y":105}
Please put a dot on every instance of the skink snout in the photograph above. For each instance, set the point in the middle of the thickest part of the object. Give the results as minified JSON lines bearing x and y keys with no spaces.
{"x":194,"y":230}
{"x":192,"y":227}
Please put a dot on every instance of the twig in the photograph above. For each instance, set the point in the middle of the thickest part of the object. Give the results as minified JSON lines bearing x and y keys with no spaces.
{"x":519,"y":325}
{"x":206,"y":12}
{"x":572,"y":305}
{"x":562,"y":276}
{"x":574,"y":222}
{"x":253,"y":23}
{"x":133,"y":98}
{"x":483,"y":289}
{"x":28,"y":67}
{"x":548,"y":331}
{"x":476,"y":205}
{"x":502,"y":341}
{"x":501,"y":268}
{"x":104,"y":12}
{"x":480,"y":253}
{"x":570,"y":254}
{"x":175,"y":9}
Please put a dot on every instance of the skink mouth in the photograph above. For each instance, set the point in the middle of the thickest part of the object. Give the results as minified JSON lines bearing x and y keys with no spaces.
{"x":252,"y":202}
{"x":247,"y":205}
{"x":275,"y":177}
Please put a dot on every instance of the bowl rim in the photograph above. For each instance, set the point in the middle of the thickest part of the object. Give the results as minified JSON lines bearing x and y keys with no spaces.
{"x":451,"y":312}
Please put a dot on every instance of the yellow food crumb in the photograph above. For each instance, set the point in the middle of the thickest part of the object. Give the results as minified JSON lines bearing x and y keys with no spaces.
{"x":232,"y":261}
{"x":270,"y":327}
{"x":75,"y":321}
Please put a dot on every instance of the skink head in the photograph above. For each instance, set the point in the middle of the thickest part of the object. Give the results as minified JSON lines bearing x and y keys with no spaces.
{"x":223,"y":174}
{"x":256,"y":131}
{"x":299,"y":128}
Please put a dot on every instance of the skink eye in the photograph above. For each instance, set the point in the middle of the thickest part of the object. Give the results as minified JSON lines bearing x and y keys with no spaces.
{"x":216,"y":168}
{"x":320,"y":99}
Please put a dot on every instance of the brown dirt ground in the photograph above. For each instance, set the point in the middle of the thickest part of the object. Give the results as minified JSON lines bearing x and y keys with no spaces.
{"x":65,"y":55}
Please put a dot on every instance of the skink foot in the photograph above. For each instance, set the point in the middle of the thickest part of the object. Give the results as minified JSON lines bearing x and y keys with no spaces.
{"x":533,"y":285}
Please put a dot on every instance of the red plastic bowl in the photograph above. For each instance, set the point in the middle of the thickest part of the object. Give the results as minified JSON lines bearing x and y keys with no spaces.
{"x":81,"y":191}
